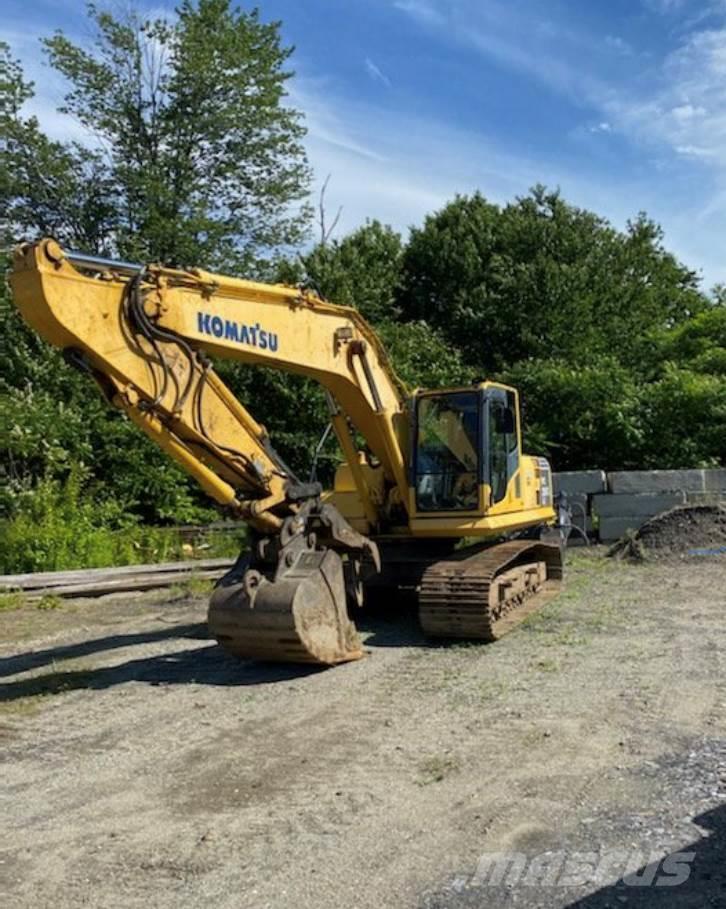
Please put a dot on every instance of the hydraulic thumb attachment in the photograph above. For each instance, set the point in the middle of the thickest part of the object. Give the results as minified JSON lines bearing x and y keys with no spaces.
{"x":286,"y":600}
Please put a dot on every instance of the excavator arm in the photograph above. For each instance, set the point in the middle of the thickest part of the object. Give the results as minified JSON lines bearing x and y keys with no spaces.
{"x":147,"y":336}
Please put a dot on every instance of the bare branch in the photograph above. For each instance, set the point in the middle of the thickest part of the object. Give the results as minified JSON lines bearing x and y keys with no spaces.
{"x":325,"y":230}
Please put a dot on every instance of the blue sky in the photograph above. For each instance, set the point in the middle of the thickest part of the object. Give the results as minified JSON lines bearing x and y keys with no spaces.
{"x":622,"y":104}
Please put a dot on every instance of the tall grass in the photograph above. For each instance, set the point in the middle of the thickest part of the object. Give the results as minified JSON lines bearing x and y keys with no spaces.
{"x":63,"y":526}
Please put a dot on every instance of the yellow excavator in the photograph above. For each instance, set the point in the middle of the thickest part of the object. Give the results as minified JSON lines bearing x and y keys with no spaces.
{"x":433,"y":494}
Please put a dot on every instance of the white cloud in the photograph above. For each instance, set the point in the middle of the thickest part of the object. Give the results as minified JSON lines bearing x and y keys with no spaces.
{"x":686,"y":109}
{"x":422,"y":10}
{"x":687,"y":112}
{"x":665,"y":6}
{"x":619,"y":45}
{"x":376,"y":73}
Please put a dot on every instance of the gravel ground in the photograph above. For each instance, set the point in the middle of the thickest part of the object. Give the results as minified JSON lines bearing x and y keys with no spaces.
{"x":143,"y":767}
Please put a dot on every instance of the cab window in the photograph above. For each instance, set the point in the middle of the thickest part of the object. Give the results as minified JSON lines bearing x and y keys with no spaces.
{"x":447,"y":452}
{"x":502,"y":447}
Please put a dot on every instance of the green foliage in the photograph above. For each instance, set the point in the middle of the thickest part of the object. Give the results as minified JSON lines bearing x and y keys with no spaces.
{"x":604,"y":415}
{"x":579,"y":416}
{"x":15,"y":599}
{"x":362,"y":270}
{"x":292,"y":408}
{"x":57,"y":528}
{"x":684,"y":419}
{"x":60,"y":525}
{"x":202,"y":160}
{"x":542,"y":278}
{"x":422,"y":357}
{"x":699,"y":343}
{"x":48,"y":188}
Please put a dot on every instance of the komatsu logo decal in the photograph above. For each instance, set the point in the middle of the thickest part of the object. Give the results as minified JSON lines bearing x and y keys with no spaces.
{"x":252,"y":335}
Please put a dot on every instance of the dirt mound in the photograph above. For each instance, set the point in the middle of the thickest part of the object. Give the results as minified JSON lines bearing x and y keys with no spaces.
{"x":686,"y":530}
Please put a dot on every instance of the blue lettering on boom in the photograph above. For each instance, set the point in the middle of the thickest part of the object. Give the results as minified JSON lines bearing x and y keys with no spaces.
{"x":250,"y":335}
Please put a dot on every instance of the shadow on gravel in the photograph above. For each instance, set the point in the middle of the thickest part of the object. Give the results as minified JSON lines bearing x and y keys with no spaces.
{"x":390,"y":624}
{"x":200,"y":665}
{"x":382,"y":625}
{"x":22,"y":662}
{"x":705,"y":886}
{"x":694,"y":877}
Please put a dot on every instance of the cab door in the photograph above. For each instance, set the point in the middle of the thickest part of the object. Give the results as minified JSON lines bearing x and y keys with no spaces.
{"x":501,"y":449}
{"x":446,"y":463}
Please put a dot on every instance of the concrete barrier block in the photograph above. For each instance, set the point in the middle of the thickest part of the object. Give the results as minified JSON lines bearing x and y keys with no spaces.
{"x":641,"y":481}
{"x":706,"y":498}
{"x":635,"y":506}
{"x":578,"y":502}
{"x":612,"y":529}
{"x":580,"y":481}
{"x":715,"y":480}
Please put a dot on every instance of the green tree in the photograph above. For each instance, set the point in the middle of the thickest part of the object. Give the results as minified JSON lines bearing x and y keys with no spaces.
{"x":363,"y":270}
{"x":193,"y":155}
{"x":48,"y":188}
{"x":580,"y":417}
{"x":542,"y":278}
{"x":698,"y":344}
{"x":684,"y":419}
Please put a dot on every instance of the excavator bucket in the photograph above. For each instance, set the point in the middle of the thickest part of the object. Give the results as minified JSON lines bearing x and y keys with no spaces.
{"x":299,"y":617}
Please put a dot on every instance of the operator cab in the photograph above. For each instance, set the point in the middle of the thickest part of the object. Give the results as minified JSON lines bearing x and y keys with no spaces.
{"x":465,"y":442}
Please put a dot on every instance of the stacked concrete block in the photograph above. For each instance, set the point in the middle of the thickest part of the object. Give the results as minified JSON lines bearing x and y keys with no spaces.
{"x":580,"y":486}
{"x":625,"y":499}
{"x":652,"y":481}
{"x":583,"y":482}
{"x":620,"y":512}
{"x":715,"y":484}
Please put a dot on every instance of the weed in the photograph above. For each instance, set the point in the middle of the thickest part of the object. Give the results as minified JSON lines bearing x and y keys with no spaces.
{"x":543,"y":620}
{"x":547,"y":665}
{"x":436,"y":768}
{"x":14,"y":599}
{"x":49,"y":601}
{"x":26,"y":706}
{"x":58,"y":526}
{"x":491,"y":689}
{"x":568,"y":637}
{"x":57,"y":681}
{"x":191,"y":588}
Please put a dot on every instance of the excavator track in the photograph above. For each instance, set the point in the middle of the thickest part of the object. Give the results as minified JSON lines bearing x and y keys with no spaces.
{"x":482,"y":596}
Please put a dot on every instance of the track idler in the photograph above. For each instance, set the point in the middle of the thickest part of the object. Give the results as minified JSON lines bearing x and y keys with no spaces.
{"x":287,"y":602}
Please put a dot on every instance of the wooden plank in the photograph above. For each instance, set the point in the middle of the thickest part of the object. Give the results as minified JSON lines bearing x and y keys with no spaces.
{"x":124,"y":584}
{"x":65,"y":578}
